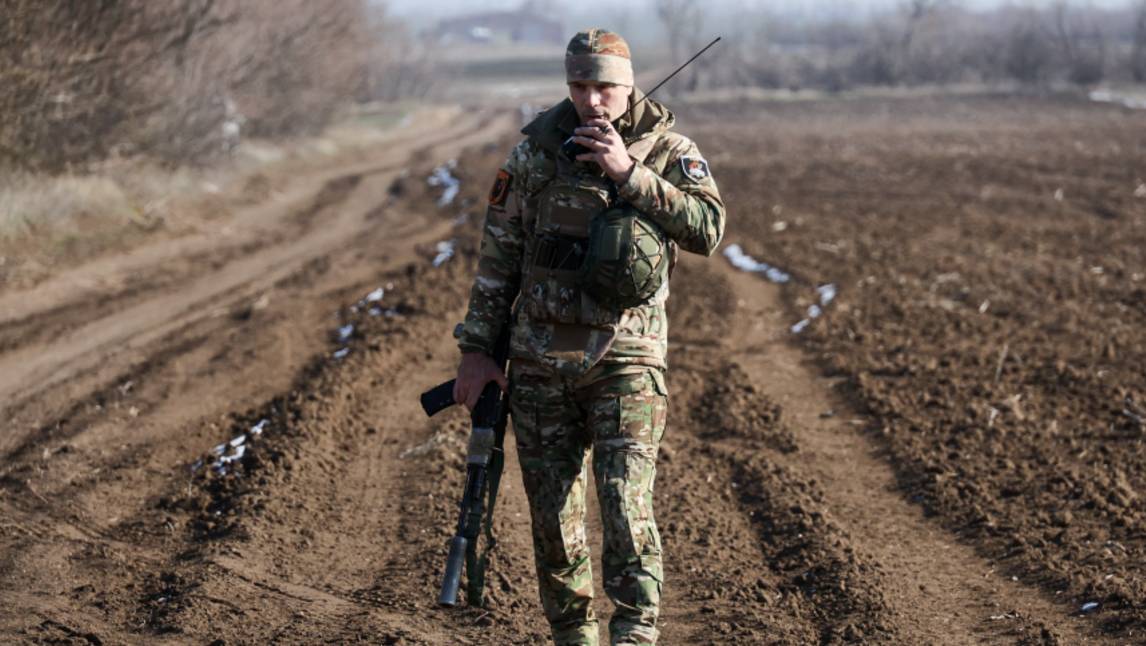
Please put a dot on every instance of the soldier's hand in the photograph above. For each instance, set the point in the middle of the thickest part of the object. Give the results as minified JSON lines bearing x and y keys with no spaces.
{"x":608,"y":149}
{"x":474,"y":372}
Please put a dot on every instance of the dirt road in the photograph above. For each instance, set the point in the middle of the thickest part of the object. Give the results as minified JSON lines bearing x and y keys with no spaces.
{"x":783,"y":514}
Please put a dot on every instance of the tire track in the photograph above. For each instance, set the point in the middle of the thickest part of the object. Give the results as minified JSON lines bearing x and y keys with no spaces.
{"x":31,"y":369}
{"x":940,"y":590}
{"x":131,"y":486}
{"x":324,"y":447}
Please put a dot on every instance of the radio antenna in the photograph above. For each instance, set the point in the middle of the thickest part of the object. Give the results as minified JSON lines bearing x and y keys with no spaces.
{"x":669,"y":77}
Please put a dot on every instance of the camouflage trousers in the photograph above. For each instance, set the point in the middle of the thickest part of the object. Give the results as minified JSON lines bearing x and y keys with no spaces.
{"x":621,"y":419}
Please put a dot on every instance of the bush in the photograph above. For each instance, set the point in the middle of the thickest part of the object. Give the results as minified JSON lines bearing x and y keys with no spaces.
{"x":174,"y":79}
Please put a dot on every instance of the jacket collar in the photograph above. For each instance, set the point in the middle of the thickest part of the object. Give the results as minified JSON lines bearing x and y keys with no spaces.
{"x":648,"y":122}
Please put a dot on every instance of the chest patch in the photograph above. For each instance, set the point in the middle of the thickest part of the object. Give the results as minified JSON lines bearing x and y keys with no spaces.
{"x":695,"y":168}
{"x":500,"y":190}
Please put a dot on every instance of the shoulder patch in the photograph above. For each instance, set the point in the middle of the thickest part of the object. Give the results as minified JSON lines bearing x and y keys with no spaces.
{"x":695,"y":168}
{"x":500,"y":190}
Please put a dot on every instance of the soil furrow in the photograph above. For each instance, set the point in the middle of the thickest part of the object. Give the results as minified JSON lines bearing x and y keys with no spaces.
{"x":178,"y":395}
{"x":940,"y":587}
{"x":790,"y":513}
{"x":33,"y":368}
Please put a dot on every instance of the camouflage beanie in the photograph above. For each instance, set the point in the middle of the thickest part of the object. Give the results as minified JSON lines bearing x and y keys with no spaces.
{"x":598,"y":55}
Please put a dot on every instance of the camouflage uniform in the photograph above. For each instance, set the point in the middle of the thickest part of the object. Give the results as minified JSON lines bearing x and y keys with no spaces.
{"x":582,"y":375}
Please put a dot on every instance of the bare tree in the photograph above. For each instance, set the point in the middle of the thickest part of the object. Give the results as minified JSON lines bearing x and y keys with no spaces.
{"x":917,"y":11}
{"x":1138,"y":55}
{"x":545,"y":7}
{"x":399,"y":65}
{"x":81,"y":80}
{"x":297,"y":60}
{"x":933,"y":46}
{"x":1029,"y":53}
{"x":1083,"y":52}
{"x":77,"y":75}
{"x":682,"y":20}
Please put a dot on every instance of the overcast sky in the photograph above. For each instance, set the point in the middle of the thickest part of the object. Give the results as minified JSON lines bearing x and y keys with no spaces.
{"x":415,"y":8}
{"x":722,"y":16}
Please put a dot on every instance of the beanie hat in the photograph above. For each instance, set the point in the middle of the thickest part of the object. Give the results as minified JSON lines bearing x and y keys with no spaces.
{"x":598,"y":55}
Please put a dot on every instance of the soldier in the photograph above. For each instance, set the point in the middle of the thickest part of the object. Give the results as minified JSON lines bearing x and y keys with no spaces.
{"x":589,"y":335}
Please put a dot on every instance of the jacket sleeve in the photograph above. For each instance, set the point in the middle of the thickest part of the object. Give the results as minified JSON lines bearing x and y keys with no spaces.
{"x":499,"y":260}
{"x":683,"y":200}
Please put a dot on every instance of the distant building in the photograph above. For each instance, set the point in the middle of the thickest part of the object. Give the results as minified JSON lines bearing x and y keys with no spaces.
{"x":520,"y":26}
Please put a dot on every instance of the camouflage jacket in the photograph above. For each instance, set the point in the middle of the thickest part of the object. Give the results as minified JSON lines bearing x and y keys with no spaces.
{"x":558,"y":330}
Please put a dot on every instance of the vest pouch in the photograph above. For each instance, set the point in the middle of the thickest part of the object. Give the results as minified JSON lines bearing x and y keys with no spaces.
{"x":559,"y":243}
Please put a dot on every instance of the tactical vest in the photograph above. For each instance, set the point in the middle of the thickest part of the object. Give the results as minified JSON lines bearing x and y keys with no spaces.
{"x":555,"y":289}
{"x":559,"y":237}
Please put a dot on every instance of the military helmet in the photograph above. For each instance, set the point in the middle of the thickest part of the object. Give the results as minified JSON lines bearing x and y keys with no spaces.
{"x":628,"y":258}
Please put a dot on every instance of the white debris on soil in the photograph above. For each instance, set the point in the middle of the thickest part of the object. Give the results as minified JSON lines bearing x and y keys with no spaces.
{"x":827,"y":294}
{"x":445,"y":251}
{"x":1140,"y":191}
{"x":234,"y":455}
{"x":341,"y":353}
{"x":1106,"y":96}
{"x":744,"y":262}
{"x":441,"y":176}
{"x":345,"y":331}
{"x":233,"y":450}
{"x":1090,"y":606}
{"x":372,"y":297}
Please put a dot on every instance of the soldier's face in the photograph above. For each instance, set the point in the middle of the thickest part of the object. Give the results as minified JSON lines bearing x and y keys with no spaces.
{"x":595,"y":100}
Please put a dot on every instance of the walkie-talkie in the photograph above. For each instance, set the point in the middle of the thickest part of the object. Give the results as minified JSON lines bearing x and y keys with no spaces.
{"x":571,"y":149}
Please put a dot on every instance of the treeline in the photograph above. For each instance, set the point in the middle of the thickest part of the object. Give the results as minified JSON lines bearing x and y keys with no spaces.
{"x":179,"y":80}
{"x":932,"y":42}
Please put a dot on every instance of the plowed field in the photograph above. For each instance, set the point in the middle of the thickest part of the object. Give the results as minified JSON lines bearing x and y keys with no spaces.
{"x":951,"y":454}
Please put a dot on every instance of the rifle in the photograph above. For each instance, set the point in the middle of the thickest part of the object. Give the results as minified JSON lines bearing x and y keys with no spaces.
{"x":484,"y":462}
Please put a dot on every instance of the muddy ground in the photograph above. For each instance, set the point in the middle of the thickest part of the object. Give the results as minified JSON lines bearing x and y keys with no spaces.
{"x":951,"y":454}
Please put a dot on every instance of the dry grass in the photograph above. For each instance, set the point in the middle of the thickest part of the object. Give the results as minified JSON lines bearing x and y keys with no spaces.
{"x":51,"y":221}
{"x":47,"y":222}
{"x":138,"y":191}
{"x":35,"y":206}
{"x":31,"y":203}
